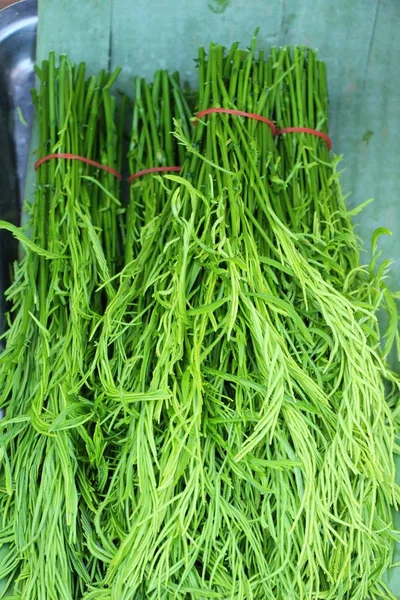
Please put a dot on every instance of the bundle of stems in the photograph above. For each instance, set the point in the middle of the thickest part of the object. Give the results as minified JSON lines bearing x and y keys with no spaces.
{"x":258,"y":456}
{"x":152,"y":145}
{"x":52,"y":464}
{"x":198,"y":401}
{"x":127,"y":371}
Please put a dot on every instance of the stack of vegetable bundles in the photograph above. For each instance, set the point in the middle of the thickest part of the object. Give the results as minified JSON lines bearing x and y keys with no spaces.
{"x":198,"y":402}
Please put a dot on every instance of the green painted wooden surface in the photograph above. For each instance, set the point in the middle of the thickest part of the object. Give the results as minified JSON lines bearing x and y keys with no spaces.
{"x":79,"y":28}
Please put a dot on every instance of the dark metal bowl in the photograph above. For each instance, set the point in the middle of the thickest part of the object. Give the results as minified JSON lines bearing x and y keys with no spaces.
{"x":18,"y":25}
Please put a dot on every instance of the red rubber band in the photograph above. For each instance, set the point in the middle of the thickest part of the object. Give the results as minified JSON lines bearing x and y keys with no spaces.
{"x":242,"y":113}
{"x":88,"y":161}
{"x":315,"y":132}
{"x":152,"y":170}
{"x":202,"y":113}
{"x":239,"y":113}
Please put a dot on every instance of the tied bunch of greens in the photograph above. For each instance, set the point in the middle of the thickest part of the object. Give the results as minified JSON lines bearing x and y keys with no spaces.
{"x":204,"y":407}
{"x":52,"y":466}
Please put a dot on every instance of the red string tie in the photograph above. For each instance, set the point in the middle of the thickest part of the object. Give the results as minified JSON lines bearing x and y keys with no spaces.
{"x":238,"y":113}
{"x":83,"y":159}
{"x":315,"y":132}
{"x":151,"y":170}
{"x":274,"y":131}
{"x":202,"y":113}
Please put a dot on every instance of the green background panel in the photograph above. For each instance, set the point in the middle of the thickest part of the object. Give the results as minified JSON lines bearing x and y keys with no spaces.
{"x":79,"y":28}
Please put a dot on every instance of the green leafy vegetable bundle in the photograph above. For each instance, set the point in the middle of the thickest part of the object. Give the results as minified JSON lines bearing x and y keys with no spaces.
{"x":198,"y":399}
{"x":52,"y":466}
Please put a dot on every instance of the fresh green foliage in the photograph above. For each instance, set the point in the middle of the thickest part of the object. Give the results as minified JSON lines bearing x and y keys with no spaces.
{"x":199,"y":402}
{"x":50,"y":462}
